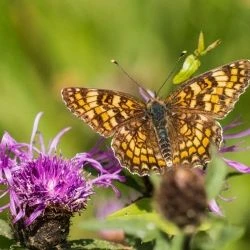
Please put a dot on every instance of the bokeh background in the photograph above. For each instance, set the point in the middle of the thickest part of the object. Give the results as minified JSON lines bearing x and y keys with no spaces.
{"x":50,"y":44}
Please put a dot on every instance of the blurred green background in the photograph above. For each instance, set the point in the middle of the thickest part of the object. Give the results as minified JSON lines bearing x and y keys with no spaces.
{"x":50,"y":44}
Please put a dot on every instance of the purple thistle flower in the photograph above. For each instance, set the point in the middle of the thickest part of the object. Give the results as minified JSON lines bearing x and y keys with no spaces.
{"x":38,"y":181}
{"x":234,"y":148}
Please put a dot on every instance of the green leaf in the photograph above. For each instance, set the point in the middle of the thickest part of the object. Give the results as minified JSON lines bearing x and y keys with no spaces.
{"x":202,"y":241}
{"x":192,"y":62}
{"x":137,"y":208}
{"x":162,"y":242}
{"x":138,"y":220}
{"x":5,"y":243}
{"x":145,"y":227}
{"x":132,"y":241}
{"x":201,"y":43}
{"x":138,"y":227}
{"x":210,"y":47}
{"x":96,"y":244}
{"x":190,"y":65}
{"x":219,"y":236}
{"x":178,"y":241}
{"x":5,"y":229}
{"x":215,"y":177}
{"x":143,"y":209}
{"x":224,"y":234}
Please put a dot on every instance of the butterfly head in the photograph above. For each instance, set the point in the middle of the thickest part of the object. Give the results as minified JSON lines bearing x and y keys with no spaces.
{"x":156,"y":110}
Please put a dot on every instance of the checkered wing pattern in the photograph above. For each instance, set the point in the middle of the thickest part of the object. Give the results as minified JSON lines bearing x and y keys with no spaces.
{"x":136,"y":146}
{"x":196,"y":105}
{"x":191,"y":113}
{"x":190,"y":135}
{"x":213,"y":93}
{"x":102,"y":110}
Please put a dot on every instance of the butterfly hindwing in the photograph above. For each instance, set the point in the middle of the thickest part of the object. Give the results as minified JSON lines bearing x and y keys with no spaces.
{"x":213,"y":93}
{"x":103,"y":110}
{"x":136,"y":146}
{"x":191,"y":135}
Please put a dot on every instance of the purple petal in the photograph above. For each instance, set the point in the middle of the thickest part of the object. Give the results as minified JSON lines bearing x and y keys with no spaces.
{"x":2,"y":208}
{"x":14,"y":204}
{"x":105,"y":180}
{"x":34,"y":130}
{"x":7,"y":139}
{"x":35,"y":214}
{"x":233,"y":148}
{"x":84,"y":159}
{"x":233,"y":124}
{"x":19,"y":215}
{"x":237,"y":165}
{"x":214,"y":207}
{"x":41,"y":143}
{"x":10,"y":145}
{"x":106,"y":158}
{"x":8,"y":176}
{"x":237,"y":135}
{"x":56,"y":140}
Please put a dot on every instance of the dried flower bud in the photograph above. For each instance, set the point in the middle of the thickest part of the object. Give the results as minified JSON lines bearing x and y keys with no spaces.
{"x":181,"y":197}
{"x":48,"y":231}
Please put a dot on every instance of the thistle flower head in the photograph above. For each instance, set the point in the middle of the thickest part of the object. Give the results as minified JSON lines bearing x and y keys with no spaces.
{"x":38,"y":181}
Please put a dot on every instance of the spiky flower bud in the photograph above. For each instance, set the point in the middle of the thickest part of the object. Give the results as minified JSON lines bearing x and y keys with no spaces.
{"x":49,"y":231}
{"x":181,"y":197}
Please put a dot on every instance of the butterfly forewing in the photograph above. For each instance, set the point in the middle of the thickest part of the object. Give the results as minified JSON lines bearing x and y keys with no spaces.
{"x":103,"y":110}
{"x":213,"y":93}
{"x":136,"y":146}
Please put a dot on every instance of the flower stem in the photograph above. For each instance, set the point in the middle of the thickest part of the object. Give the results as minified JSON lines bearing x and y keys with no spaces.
{"x":186,"y":242}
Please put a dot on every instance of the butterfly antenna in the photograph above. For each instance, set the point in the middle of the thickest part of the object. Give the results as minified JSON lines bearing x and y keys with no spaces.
{"x":172,"y":71}
{"x":125,"y":72}
{"x":143,"y":92}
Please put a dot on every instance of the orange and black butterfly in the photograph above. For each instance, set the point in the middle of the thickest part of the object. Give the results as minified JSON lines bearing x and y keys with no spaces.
{"x":162,"y":133}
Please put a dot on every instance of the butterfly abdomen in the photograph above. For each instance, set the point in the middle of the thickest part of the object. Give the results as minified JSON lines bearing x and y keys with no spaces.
{"x":157,"y":112}
{"x":164,"y":144}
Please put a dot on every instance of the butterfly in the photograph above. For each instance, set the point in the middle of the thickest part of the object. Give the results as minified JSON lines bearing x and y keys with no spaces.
{"x":158,"y":134}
